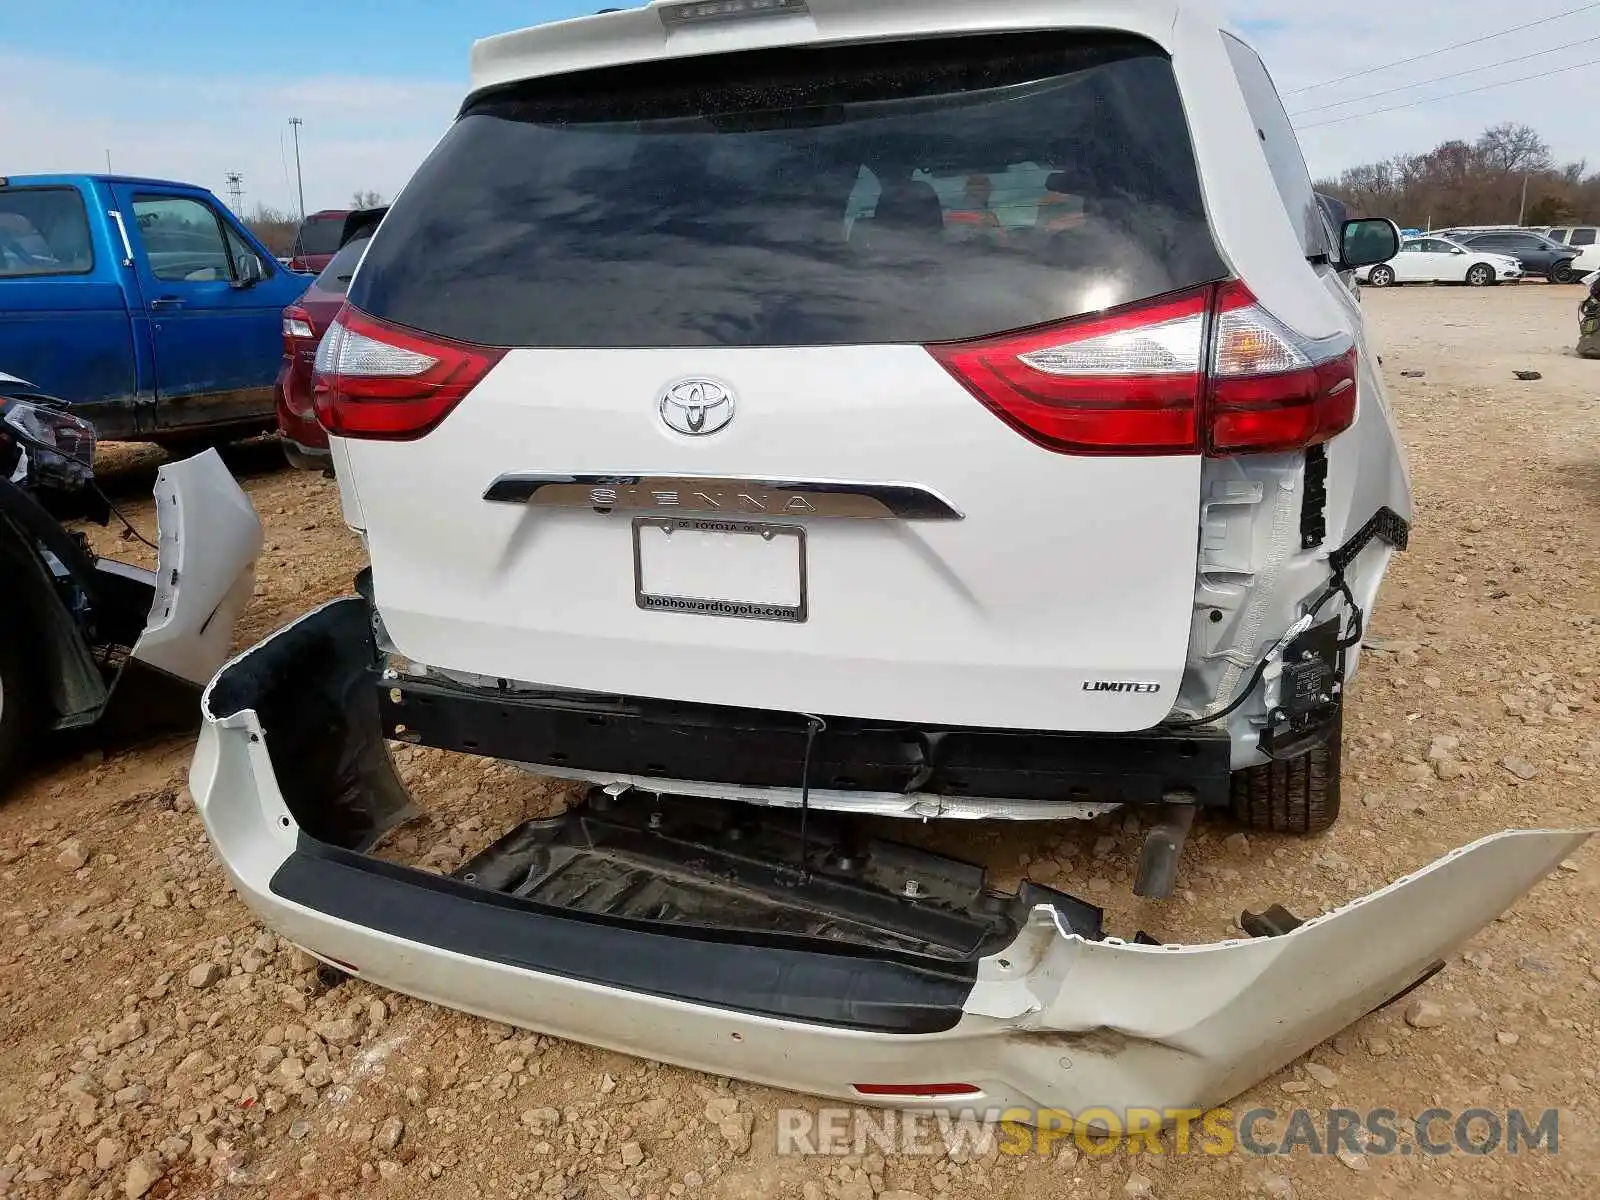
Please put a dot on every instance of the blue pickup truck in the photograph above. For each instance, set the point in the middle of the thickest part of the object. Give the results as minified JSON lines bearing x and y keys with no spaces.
{"x":145,"y":304}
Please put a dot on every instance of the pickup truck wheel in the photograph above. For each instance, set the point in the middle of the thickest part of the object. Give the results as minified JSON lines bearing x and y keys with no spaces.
{"x":1299,"y":795}
{"x":18,"y":713}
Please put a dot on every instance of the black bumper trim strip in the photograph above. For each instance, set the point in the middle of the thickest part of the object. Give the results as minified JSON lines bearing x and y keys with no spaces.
{"x":838,"y":990}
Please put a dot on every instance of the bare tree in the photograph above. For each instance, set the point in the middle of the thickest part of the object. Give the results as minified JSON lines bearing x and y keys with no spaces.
{"x":367,"y":199}
{"x":274,"y":228}
{"x":1370,"y":188}
{"x":1513,"y":148}
{"x":1473,"y":183}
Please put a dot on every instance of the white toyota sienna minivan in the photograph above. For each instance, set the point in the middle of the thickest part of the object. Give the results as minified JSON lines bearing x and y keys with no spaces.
{"x":779,"y":411}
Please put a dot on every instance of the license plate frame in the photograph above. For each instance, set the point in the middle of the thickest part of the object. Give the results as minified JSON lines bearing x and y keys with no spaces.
{"x":712,"y":606}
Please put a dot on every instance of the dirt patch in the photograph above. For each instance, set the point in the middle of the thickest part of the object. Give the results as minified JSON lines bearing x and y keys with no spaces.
{"x":151,"y":1034}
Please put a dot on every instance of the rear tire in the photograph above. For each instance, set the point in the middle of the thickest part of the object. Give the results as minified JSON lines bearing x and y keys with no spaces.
{"x":1563,"y":273}
{"x":1381,"y":276}
{"x":1300,"y":795}
{"x":18,"y":707}
{"x":1480,"y":275}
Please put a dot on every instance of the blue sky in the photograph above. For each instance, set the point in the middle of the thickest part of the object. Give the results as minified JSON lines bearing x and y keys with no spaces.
{"x":196,"y":89}
{"x":193,"y":89}
{"x":393,"y":37}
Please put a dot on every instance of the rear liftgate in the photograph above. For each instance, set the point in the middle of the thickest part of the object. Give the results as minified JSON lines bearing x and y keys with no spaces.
{"x":783,"y":947}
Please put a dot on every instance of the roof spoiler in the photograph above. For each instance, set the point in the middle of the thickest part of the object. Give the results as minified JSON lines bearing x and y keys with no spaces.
{"x":360,"y":223}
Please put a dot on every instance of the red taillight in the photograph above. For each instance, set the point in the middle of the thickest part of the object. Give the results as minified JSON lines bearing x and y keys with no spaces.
{"x":1203,"y":371}
{"x":299,"y":330}
{"x":1127,"y":382}
{"x":1272,"y":389}
{"x":377,"y":380}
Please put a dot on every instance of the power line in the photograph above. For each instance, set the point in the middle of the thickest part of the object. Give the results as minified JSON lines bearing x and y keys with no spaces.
{"x":1488,"y":37}
{"x":1406,"y":87}
{"x":1452,"y":95}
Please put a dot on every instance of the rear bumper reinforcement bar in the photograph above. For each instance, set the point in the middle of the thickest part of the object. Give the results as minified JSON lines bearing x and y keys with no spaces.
{"x":632,"y":737}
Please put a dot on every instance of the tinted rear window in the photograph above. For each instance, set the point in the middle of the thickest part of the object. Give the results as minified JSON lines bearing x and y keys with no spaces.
{"x":320,"y":235}
{"x":336,"y":276}
{"x":43,"y":231}
{"x":923,"y":192}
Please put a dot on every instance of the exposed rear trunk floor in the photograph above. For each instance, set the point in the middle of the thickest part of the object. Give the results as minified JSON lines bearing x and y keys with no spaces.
{"x":641,"y":857}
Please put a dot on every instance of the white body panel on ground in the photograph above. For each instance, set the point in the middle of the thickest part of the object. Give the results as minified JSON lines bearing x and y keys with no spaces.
{"x":209,"y":538}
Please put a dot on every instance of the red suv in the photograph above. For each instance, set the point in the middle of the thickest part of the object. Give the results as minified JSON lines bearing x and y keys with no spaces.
{"x":305,"y":443}
{"x":317,"y":240}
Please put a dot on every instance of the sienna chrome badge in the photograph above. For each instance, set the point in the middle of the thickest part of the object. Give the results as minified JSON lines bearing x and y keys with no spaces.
{"x":696,"y":407}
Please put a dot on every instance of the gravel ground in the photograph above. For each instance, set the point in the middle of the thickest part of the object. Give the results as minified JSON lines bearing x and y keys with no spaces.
{"x":154,"y":1041}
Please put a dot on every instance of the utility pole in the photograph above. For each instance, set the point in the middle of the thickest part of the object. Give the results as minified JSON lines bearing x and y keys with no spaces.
{"x":1523,"y":211}
{"x":236,"y":191}
{"x":295,"y":123}
{"x":108,"y":162}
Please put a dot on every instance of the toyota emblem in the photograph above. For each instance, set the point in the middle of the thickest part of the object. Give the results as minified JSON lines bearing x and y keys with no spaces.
{"x":696,"y":407}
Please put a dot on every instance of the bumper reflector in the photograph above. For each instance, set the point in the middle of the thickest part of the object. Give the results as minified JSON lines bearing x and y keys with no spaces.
{"x":917,"y":1089}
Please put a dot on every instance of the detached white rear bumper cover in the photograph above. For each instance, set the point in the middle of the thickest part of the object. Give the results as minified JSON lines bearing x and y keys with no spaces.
{"x":290,"y":791}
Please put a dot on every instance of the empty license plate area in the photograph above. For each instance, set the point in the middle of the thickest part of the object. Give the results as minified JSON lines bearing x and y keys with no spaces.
{"x":712,"y":568}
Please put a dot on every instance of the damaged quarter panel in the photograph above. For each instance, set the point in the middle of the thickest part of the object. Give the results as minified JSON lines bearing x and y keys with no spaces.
{"x":1269,"y":522}
{"x":72,"y":686}
{"x":1260,"y":563}
{"x":1049,"y":1018}
{"x":1356,"y":493}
